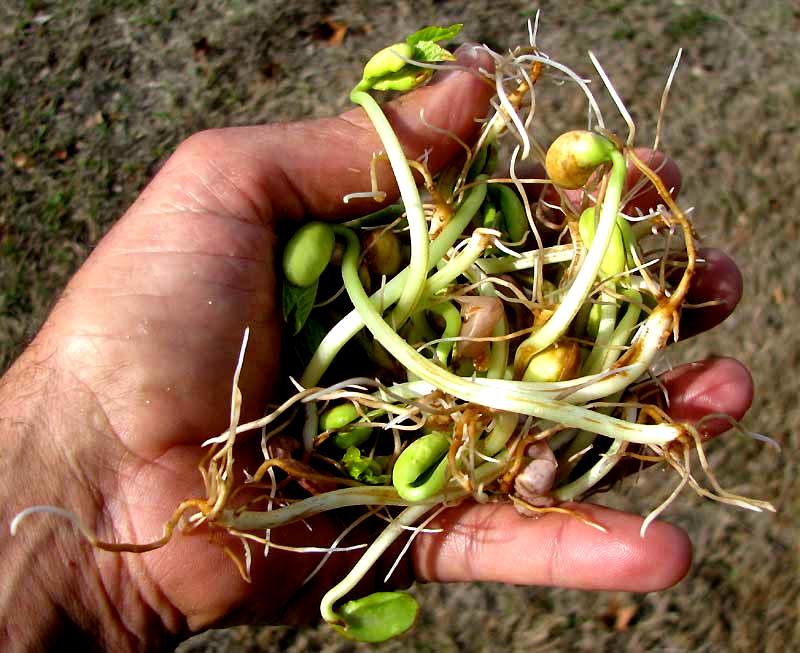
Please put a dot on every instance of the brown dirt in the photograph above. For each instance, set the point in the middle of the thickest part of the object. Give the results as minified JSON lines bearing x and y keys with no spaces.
{"x":94,"y":95}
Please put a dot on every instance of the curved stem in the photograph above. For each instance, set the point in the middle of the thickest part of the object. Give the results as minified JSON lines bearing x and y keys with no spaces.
{"x":498,"y":355}
{"x":595,"y":474}
{"x":418,"y":226}
{"x":352,"y":323}
{"x":649,"y":339}
{"x":528,"y":260}
{"x":250,"y":520}
{"x":605,"y":332}
{"x":504,"y":425}
{"x":485,"y":473}
{"x":515,"y":399}
{"x":452,"y":327}
{"x":574,"y":298}
{"x":389,"y":534}
{"x":626,"y":325}
{"x":459,"y":263}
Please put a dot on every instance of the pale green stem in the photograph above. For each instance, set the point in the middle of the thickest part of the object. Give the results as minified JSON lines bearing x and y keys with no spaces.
{"x":574,"y":298}
{"x":253,"y":520}
{"x":622,"y":333}
{"x":621,"y":336}
{"x":560,"y":439}
{"x":458,"y":264}
{"x":597,"y":472}
{"x":650,"y":337}
{"x":483,"y":474}
{"x":499,"y":349}
{"x":452,"y":327}
{"x":409,"y":193}
{"x":528,"y":260}
{"x":362,"y":495}
{"x":581,"y":441}
{"x":421,"y":330}
{"x":515,"y":399}
{"x":396,"y":527}
{"x":605,"y":331}
{"x":310,"y":424}
{"x":495,"y":441}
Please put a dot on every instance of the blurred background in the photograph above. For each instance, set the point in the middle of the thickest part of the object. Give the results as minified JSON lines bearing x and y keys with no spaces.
{"x":95,"y":94}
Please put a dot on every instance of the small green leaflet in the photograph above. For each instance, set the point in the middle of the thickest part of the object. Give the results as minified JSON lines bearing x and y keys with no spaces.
{"x":299,"y":301}
{"x":363,"y":468}
{"x":433,"y":33}
{"x":429,"y":52}
{"x":424,"y":41}
{"x":305,"y":342}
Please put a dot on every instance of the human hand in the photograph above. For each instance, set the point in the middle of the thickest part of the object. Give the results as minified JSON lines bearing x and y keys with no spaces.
{"x":132,"y":371}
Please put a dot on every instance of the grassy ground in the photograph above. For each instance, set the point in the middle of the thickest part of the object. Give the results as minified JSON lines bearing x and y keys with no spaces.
{"x":94,"y":94}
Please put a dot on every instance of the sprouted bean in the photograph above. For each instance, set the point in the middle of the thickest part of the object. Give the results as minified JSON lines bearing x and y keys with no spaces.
{"x":486,"y":364}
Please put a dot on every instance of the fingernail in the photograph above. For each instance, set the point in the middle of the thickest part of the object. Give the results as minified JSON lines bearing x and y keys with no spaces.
{"x":468,"y":52}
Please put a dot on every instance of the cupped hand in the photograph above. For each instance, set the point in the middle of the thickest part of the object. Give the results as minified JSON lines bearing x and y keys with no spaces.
{"x":492,"y":542}
{"x":137,"y":357}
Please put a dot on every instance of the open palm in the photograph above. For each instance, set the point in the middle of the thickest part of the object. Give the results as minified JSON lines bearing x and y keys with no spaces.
{"x":145,"y":340}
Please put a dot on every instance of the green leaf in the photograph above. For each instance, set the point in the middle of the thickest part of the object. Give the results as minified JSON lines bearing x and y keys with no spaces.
{"x":515,"y":220}
{"x":305,"y":302}
{"x":430,"y":52}
{"x":299,"y":300}
{"x":386,"y":71}
{"x":288,"y":300}
{"x":306,"y":342}
{"x":363,"y":468}
{"x":489,"y":213}
{"x":378,"y":617}
{"x":433,"y":33}
{"x":424,"y":42}
{"x":478,"y":162}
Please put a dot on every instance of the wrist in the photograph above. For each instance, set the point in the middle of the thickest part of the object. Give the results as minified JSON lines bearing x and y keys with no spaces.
{"x":56,"y":588}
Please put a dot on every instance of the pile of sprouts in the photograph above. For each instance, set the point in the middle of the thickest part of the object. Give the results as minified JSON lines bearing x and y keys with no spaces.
{"x":494,"y":362}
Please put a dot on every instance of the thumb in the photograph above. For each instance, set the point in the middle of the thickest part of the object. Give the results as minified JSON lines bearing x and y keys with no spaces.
{"x":429,"y":121}
{"x":292,"y":170}
{"x":193,"y":259}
